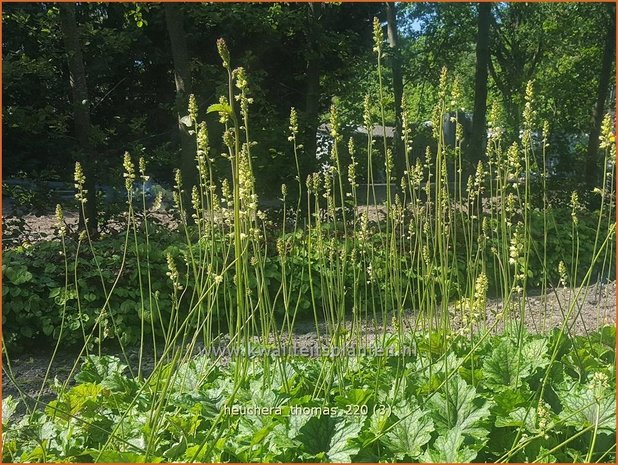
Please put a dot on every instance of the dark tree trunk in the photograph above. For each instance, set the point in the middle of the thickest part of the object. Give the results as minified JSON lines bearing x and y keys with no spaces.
{"x":393,"y":42}
{"x":513,"y":62}
{"x":478,"y":138}
{"x":182,"y":76}
{"x":312,"y":108}
{"x":592,"y":158}
{"x":81,"y":112}
{"x":511,"y":107}
{"x":312,"y":90}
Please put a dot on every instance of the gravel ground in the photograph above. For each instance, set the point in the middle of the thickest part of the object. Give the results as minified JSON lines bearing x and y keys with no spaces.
{"x":40,"y":228}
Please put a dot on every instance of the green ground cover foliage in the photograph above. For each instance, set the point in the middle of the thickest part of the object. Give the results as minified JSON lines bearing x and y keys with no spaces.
{"x":453,"y":400}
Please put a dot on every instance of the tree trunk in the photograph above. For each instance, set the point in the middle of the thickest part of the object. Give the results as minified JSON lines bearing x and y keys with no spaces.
{"x":592,"y":158}
{"x":478,"y":138}
{"x":393,"y":42}
{"x":81,"y":113}
{"x":312,"y":110}
{"x":182,"y":76}
{"x":312,"y":90}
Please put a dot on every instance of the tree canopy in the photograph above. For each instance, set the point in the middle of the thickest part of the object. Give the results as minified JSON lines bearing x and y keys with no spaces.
{"x":298,"y":55}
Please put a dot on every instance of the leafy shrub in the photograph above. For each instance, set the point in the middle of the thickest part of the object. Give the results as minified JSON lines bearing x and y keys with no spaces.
{"x":36,"y":297}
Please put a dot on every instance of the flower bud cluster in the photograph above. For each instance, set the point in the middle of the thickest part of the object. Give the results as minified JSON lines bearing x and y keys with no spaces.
{"x":129,"y":172}
{"x":80,"y":181}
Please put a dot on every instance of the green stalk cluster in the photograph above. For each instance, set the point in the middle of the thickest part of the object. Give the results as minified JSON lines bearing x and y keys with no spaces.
{"x":423,"y":262}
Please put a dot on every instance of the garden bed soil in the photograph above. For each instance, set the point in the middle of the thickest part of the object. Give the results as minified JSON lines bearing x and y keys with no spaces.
{"x":42,"y":227}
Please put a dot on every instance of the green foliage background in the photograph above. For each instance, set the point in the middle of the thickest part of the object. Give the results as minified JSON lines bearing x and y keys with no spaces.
{"x":131,"y":82}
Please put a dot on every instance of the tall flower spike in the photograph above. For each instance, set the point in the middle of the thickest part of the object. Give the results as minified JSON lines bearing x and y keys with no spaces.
{"x":367,"y":113}
{"x":228,"y":138}
{"x":157,"y":201}
{"x":529,"y":97}
{"x":352,"y":172}
{"x":529,"y":114}
{"x":436,"y":121}
{"x":224,"y":53}
{"x":480,"y":291}
{"x":479,"y":177}
{"x":223,"y":115}
{"x":575,"y":206}
{"x":60,"y":220}
{"x":226,"y":191}
{"x":172,"y":271}
{"x":142,"y":169}
{"x":459,"y":131}
{"x":316,"y":182}
{"x":545,"y":133}
{"x":443,"y":83}
{"x":405,"y":123}
{"x":562,"y":273}
{"x":485,"y":228}
{"x":352,"y":165}
{"x":607,"y":137}
{"x":202,"y":139}
{"x":493,"y":122}
{"x":79,"y":177}
{"x":456,"y":95}
{"x":378,"y":36}
{"x":195,"y":202}
{"x":177,"y":179}
{"x":80,"y":181}
{"x":514,"y":162}
{"x":388,"y":160}
{"x":129,"y":171}
{"x":240,"y":77}
{"x":293,"y":124}
{"x":334,"y":123}
{"x":192,"y":109}
{"x":240,"y":80}
{"x":517,"y":244}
